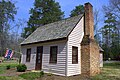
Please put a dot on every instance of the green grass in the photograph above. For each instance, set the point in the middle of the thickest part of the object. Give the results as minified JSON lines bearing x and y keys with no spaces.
{"x":25,"y":76}
{"x":11,"y":78}
{"x":13,"y":64}
{"x":111,"y":71}
{"x":3,"y":65}
{"x":30,"y":76}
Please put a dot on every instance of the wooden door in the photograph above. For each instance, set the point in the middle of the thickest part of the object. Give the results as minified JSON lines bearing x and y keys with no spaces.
{"x":39,"y":58}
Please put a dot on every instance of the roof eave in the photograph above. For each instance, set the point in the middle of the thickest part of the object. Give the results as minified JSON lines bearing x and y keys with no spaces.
{"x":64,"y":38}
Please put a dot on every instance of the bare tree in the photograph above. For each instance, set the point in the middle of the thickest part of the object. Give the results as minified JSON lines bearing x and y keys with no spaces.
{"x":110,"y":31}
{"x":114,"y":8}
{"x":96,"y":22}
{"x":7,"y":12}
{"x":15,"y":36}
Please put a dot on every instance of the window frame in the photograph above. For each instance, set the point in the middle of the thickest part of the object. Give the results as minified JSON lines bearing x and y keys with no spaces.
{"x":28,"y":55}
{"x":74,"y":56}
{"x":51,"y":55}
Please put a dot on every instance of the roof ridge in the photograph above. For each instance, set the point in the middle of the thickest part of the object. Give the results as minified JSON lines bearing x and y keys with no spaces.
{"x":61,"y":20}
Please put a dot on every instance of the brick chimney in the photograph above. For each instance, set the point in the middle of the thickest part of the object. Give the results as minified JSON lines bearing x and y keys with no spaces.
{"x":89,"y":48}
{"x":89,"y":21}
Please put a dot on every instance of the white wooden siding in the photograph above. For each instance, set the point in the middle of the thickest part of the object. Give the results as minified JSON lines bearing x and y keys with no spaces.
{"x":30,"y":65}
{"x":59,"y":68}
{"x":75,"y":39}
{"x":101,"y":60}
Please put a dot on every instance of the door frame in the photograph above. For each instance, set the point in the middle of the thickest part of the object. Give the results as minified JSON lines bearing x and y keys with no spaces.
{"x":36,"y":65}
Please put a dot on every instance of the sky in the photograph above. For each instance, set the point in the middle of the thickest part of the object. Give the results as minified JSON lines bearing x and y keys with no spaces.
{"x":66,"y":5}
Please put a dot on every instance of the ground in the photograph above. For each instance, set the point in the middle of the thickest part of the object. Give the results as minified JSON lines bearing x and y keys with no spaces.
{"x":110,"y":71}
{"x":12,"y":74}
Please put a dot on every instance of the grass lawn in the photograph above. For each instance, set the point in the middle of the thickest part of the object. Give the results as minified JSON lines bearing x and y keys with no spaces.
{"x":24,"y":76}
{"x":30,"y":75}
{"x":12,"y":74}
{"x":111,"y":71}
{"x":3,"y":65}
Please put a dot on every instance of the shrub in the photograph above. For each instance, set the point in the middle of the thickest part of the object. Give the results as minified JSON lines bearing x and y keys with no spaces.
{"x":8,"y":67}
{"x":41,"y":73}
{"x":21,"y":68}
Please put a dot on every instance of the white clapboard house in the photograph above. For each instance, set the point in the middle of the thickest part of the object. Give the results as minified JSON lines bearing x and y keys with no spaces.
{"x":64,"y":48}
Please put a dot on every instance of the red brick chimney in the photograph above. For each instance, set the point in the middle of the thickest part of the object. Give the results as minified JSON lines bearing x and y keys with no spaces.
{"x":89,"y":21}
{"x":89,"y":48}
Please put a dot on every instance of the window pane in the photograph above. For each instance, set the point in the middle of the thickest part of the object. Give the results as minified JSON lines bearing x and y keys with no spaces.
{"x":53,"y":54}
{"x":28,"y":55}
{"x":74,"y":55}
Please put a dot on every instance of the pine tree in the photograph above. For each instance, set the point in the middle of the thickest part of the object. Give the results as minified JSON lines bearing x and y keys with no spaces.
{"x":44,"y":12}
{"x":110,"y":36}
{"x":77,"y":11}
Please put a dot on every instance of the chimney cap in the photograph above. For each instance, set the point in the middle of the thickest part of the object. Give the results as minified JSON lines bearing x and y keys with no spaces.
{"x":88,"y":3}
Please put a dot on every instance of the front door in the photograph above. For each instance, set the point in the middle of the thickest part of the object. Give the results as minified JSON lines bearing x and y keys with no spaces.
{"x":39,"y":58}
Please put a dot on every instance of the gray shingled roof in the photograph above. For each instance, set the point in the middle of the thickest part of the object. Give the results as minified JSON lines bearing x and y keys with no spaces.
{"x":56,"y":30}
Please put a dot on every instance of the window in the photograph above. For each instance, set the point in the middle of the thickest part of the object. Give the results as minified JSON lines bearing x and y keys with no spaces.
{"x":53,"y":54}
{"x":28,"y":55}
{"x":74,"y":55}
